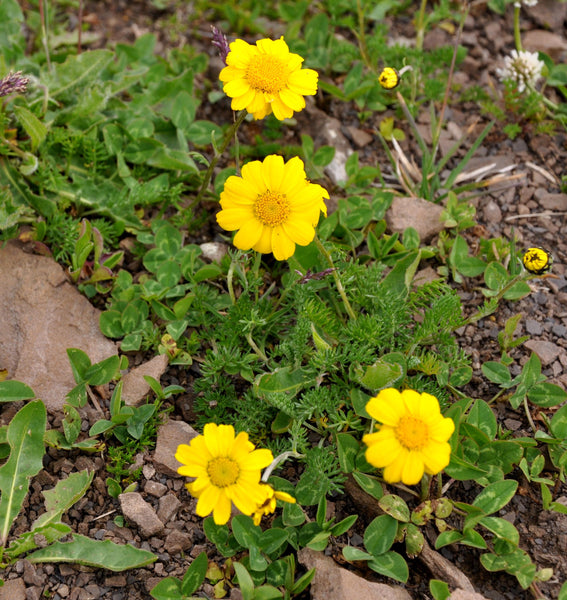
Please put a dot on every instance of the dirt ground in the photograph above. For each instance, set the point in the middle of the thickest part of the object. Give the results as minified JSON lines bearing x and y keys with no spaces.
{"x":531,"y":207}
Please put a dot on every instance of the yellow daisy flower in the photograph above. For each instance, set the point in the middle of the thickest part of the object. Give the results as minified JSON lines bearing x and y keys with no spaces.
{"x":268,"y":506}
{"x":267,"y":77}
{"x":227,"y":469}
{"x":389,"y":78}
{"x":537,"y":261}
{"x":412,"y":438}
{"x":273,"y":206}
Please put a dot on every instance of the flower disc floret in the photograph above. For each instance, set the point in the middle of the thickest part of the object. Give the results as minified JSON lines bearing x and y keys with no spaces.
{"x":523,"y":68}
{"x":273,"y":206}
{"x":389,"y":78}
{"x":411,"y":438}
{"x":267,"y":78}
{"x":226,"y":468}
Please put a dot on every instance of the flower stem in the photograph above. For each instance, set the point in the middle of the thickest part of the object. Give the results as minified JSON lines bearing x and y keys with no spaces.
{"x":277,"y":461}
{"x":230,"y":134}
{"x":517,"y":34}
{"x":338,"y":282}
{"x":255,"y":347}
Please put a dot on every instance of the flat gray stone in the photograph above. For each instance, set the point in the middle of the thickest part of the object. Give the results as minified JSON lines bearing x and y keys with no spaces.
{"x":423,"y":216}
{"x":170,"y":435}
{"x":13,"y":589}
{"x":135,"y":388}
{"x":42,"y":315}
{"x":141,"y":514}
{"x":168,"y":507}
{"x":332,"y":582}
{"x":547,"y":352}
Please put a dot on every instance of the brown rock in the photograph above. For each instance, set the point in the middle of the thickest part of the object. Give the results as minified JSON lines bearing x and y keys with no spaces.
{"x":42,"y":315}
{"x":547,"y":352}
{"x":423,"y":216}
{"x":466,"y":595}
{"x":332,"y":582}
{"x":168,"y":506}
{"x":170,"y":435}
{"x":135,"y":387}
{"x":443,"y":569}
{"x":138,"y":512}
{"x":13,"y":589}
{"x":178,"y":541}
{"x":553,"y":201}
{"x":539,"y":40}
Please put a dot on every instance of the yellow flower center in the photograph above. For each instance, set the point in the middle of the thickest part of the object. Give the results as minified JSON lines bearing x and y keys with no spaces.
{"x":223,"y":471}
{"x":412,"y":433}
{"x":267,"y":73}
{"x":271,"y":208}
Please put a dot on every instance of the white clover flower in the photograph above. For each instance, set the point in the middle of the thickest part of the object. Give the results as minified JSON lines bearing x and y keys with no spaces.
{"x":522,"y":67}
{"x":518,"y":4}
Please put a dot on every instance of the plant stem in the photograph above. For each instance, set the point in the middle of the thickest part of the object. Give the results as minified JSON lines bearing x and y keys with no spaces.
{"x":43,"y":19}
{"x":255,"y":347}
{"x":230,"y":134}
{"x":362,"y":38}
{"x":420,"y":26}
{"x":338,"y":282}
{"x":277,"y":461}
{"x":517,"y":33}
{"x":479,"y":314}
{"x":437,"y":133}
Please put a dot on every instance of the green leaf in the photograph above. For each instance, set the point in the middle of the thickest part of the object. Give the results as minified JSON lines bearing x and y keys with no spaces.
{"x":63,"y":496}
{"x":481,"y":416}
{"x":369,"y":484}
{"x":30,"y":540}
{"x":347,"y":447}
{"x":380,"y":534}
{"x":103,"y":371}
{"x":94,"y":553}
{"x":245,"y":532}
{"x":80,"y":363}
{"x":272,"y":539}
{"x":25,"y":437}
{"x":244,"y":581}
{"x":286,"y":379}
{"x":36,"y":130}
{"x":352,"y":553}
{"x":14,"y":391}
{"x":390,"y":564}
{"x":558,"y":425}
{"x":167,"y":589}
{"x":77,"y":70}
{"x":502,"y":528}
{"x":195,"y":574}
{"x":385,"y":372}
{"x":398,"y":280}
{"x":344,"y":525}
{"x":396,"y":507}
{"x":546,"y":394}
{"x":495,"y":496}
{"x":496,"y":372}
{"x":439,"y":589}
{"x":292,"y":515}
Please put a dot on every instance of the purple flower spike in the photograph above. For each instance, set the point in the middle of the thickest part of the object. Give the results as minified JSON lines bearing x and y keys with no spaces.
{"x":13,"y":83}
{"x":221,"y":42}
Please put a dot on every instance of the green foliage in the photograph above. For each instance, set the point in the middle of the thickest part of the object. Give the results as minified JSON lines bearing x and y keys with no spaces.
{"x":25,"y":438}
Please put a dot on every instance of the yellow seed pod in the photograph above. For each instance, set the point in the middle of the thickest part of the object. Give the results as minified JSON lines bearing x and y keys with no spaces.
{"x":389,"y":78}
{"x":537,"y":261}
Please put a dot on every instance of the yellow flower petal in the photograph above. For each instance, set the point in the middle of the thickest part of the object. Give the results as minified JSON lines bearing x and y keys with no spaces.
{"x":384,"y":452}
{"x":413,"y":468}
{"x":281,"y":111}
{"x":292,"y":100}
{"x":231,"y":218}
{"x":258,"y":459}
{"x":273,"y":171}
{"x":248,"y":235}
{"x":386,"y":407}
{"x":300,"y":232}
{"x":282,"y":246}
{"x":221,"y":513}
{"x":208,"y":500}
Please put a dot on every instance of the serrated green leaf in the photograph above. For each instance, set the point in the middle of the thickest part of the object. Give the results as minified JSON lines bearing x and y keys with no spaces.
{"x":32,"y":125}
